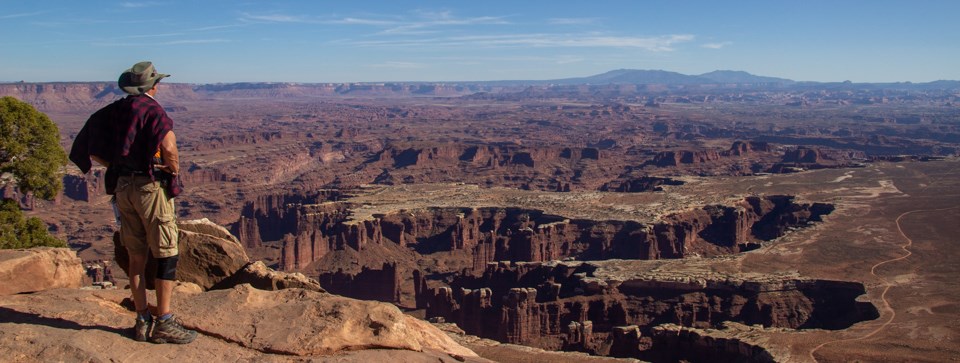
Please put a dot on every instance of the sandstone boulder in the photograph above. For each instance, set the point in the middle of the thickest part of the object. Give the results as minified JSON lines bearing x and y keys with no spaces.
{"x":302,"y":322}
{"x":205,"y":226}
{"x":258,"y":275}
{"x":37,"y":269}
{"x":206,"y":258}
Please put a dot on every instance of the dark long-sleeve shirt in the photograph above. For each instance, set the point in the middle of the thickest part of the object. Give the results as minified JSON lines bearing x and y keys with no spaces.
{"x":126,"y":133}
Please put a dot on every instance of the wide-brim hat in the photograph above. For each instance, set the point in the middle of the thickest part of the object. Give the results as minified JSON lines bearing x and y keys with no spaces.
{"x":140,"y":78}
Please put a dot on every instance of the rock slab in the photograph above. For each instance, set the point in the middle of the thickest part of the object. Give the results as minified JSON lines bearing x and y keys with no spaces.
{"x":305,"y":323}
{"x":75,"y":325}
{"x":38,"y":269}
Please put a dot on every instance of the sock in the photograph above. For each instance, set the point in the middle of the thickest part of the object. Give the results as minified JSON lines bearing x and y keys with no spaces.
{"x":165,"y":316}
{"x":144,"y":315}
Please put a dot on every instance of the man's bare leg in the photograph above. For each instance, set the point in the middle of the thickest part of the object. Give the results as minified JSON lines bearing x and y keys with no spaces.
{"x":138,"y":286}
{"x":164,"y":293}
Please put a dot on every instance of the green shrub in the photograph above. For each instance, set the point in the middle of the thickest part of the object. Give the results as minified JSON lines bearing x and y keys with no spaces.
{"x":17,"y":232}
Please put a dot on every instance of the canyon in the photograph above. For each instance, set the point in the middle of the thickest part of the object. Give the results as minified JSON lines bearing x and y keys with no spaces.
{"x":636,"y":221}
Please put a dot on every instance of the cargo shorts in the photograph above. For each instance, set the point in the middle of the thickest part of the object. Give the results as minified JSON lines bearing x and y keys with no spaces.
{"x":147,"y":217}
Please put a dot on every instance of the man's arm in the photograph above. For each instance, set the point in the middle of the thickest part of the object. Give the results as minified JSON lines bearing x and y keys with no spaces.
{"x":169,"y":154}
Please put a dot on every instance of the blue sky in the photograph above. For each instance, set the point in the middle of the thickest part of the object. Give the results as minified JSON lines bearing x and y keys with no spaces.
{"x":369,"y":41}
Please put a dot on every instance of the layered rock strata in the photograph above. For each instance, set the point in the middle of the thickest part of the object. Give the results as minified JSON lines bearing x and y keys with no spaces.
{"x":515,"y":234}
{"x":613,"y":307}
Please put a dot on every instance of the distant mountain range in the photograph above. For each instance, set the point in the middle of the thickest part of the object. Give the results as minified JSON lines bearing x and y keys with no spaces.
{"x":719,"y":77}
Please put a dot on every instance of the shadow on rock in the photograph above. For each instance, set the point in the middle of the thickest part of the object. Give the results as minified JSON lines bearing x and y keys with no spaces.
{"x":18,"y":317}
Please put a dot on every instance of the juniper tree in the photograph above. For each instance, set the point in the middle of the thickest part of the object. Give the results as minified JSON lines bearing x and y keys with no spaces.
{"x":30,"y":153}
{"x":32,"y":159}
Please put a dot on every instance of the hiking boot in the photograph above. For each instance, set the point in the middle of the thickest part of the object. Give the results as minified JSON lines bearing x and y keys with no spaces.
{"x":141,"y":329}
{"x":171,"y":331}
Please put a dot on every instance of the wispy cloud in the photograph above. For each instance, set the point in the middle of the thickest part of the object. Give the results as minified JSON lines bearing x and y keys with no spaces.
{"x":418,"y":26}
{"x":444,"y":29}
{"x":663,"y":43}
{"x":572,"y":21}
{"x":194,"y":41}
{"x":21,"y":15}
{"x":160,"y":43}
{"x":274,"y":18}
{"x":304,"y":19}
{"x":139,"y":4}
{"x":215,"y":27}
{"x":360,"y":21}
{"x":716,"y":45}
{"x":421,"y":22}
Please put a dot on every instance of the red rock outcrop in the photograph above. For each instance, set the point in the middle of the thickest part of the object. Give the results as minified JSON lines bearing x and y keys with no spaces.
{"x":76,"y":187}
{"x":38,"y":269}
{"x":741,"y":148}
{"x":803,"y":155}
{"x":196,"y":175}
{"x":682,"y":157}
{"x":270,"y":217}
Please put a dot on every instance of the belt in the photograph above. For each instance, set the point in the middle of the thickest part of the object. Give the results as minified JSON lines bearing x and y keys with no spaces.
{"x":133,"y":173}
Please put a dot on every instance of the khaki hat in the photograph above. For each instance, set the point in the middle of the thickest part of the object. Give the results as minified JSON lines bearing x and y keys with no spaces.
{"x":140,"y":78}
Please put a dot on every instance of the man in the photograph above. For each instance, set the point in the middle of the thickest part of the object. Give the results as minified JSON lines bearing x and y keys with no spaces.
{"x":134,"y":138}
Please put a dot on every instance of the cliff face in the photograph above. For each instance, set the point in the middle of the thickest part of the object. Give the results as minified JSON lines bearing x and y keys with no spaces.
{"x":735,"y":343}
{"x":370,"y":284}
{"x":271,"y":217}
{"x":310,"y":227}
{"x":505,"y":234}
{"x":558,"y":305}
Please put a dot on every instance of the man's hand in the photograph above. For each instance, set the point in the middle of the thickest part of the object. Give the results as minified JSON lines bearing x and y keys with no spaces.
{"x":165,"y":168}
